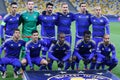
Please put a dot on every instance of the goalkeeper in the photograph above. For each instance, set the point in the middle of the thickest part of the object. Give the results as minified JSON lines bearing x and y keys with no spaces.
{"x":29,"y":19}
{"x":104,"y":57}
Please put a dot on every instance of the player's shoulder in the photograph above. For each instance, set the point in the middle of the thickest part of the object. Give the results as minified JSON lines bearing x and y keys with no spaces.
{"x":93,"y":16}
{"x":112,"y":44}
{"x":101,"y":43}
{"x":92,"y":41}
{"x":8,"y":40}
{"x":58,"y":13}
{"x":67,"y":43}
{"x":6,"y":16}
{"x":28,"y":43}
{"x":35,"y":11}
{"x":23,"y":12}
{"x":104,"y":17}
{"x":18,"y":14}
{"x":80,"y":41}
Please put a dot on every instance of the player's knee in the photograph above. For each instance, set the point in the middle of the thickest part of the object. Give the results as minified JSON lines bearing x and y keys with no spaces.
{"x":24,"y":61}
{"x":74,"y":58}
{"x":70,"y":60}
{"x":44,"y":62}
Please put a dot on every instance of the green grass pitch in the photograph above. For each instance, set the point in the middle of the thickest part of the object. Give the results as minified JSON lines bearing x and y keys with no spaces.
{"x":114,"y":37}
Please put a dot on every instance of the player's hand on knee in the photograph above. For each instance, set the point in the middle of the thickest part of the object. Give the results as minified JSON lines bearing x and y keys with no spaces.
{"x":44,"y":62}
{"x":70,"y":60}
{"x":48,"y":60}
{"x":24,"y":61}
{"x":74,"y":58}
{"x":31,"y":68}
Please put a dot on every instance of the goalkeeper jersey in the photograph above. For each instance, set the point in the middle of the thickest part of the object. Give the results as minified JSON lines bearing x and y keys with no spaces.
{"x":29,"y":22}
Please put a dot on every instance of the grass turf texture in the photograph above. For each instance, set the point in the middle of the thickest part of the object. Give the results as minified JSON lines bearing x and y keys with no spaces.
{"x":114,"y":37}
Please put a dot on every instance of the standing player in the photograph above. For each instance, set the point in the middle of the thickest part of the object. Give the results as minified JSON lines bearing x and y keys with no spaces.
{"x":100,"y":26}
{"x":12,"y":47}
{"x":104,"y":51}
{"x":60,"y":52}
{"x":33,"y":49}
{"x":10,"y":22}
{"x":47,"y":21}
{"x":64,"y":22}
{"x":82,"y":20}
{"x":29,"y":19}
{"x":85,"y":49}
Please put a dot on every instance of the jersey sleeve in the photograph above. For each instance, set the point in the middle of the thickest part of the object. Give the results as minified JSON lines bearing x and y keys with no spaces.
{"x":3,"y":46}
{"x":107,"y":26}
{"x":77,"y":50}
{"x":51,"y":51}
{"x":99,"y":51}
{"x":67,"y":52}
{"x":21,"y":20}
{"x":27,"y":49}
{"x":93,"y":50}
{"x":113,"y":52}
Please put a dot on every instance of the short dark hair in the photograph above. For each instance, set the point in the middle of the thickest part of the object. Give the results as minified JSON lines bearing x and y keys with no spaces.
{"x":49,"y":4}
{"x":16,"y":30}
{"x":81,"y":4}
{"x":61,"y":33}
{"x":13,"y":3}
{"x":87,"y":32}
{"x":34,"y":31}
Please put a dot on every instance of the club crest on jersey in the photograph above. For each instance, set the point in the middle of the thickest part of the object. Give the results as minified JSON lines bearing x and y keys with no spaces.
{"x":102,"y":48}
{"x":32,"y":46}
{"x":39,"y":45}
{"x":26,"y":17}
{"x":11,"y":44}
{"x":35,"y":17}
{"x":19,"y":45}
{"x":53,"y":18}
{"x":82,"y":46}
{"x":45,"y":18}
{"x":87,"y":16}
{"x":101,"y":20}
{"x":10,"y":19}
{"x":57,"y":49}
{"x":109,"y":49}
{"x":94,"y":20}
{"x":89,"y":46}
{"x":17,"y":18}
{"x":68,"y":15}
{"x":64,"y":48}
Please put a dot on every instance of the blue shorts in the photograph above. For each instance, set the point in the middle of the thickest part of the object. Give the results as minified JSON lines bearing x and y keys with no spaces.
{"x":48,"y":41}
{"x":36,"y":60}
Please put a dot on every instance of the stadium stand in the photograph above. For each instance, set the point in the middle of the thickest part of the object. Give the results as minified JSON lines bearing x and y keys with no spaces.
{"x":109,"y":7}
{"x":39,"y":4}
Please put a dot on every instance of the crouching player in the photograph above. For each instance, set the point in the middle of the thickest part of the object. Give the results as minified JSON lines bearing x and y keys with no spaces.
{"x":60,"y":52}
{"x":85,"y":49}
{"x":33,"y":49}
{"x":12,"y":47}
{"x":104,"y":51}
